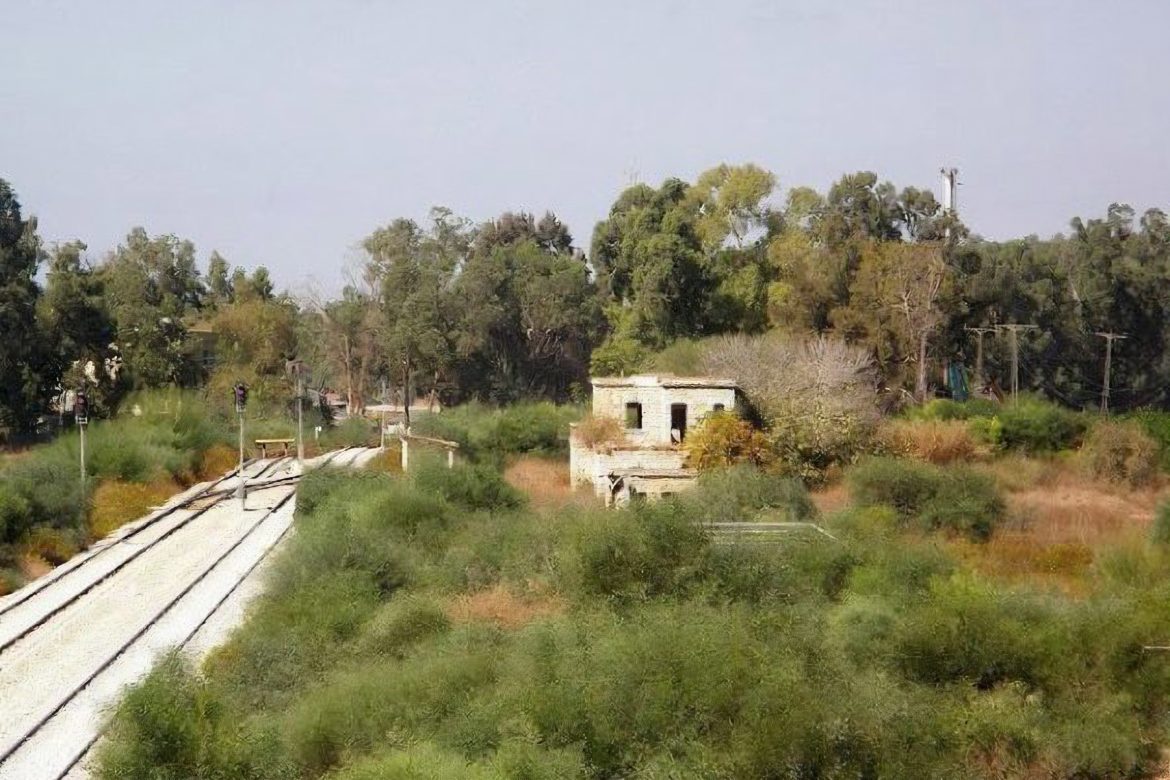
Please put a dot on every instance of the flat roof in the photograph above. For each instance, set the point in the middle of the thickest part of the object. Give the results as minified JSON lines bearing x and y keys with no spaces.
{"x":655,"y":473}
{"x":653,"y":380}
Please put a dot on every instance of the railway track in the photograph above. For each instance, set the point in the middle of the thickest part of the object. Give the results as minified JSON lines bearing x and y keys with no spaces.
{"x":69,"y":647}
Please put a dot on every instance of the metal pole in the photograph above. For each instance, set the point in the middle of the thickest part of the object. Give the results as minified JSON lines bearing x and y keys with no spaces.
{"x":240,"y":491}
{"x":300,"y":420}
{"x":1109,"y":338}
{"x":82,"y":427}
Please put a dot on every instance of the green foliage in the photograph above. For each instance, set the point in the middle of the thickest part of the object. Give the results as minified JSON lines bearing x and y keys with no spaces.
{"x":1033,"y":425}
{"x":810,"y":440}
{"x":729,"y":494}
{"x":172,"y":726}
{"x":482,"y":432}
{"x":682,"y":357}
{"x":957,"y":499}
{"x":475,"y":486}
{"x":948,"y":409}
{"x":638,"y":647}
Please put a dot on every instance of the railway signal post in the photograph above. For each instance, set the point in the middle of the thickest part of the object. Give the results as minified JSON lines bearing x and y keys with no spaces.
{"x":240,"y":391}
{"x":81,"y":416}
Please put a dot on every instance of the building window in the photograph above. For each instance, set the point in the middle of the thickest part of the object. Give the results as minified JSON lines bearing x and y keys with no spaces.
{"x":678,"y":422}
{"x":719,"y":408}
{"x":634,"y":415}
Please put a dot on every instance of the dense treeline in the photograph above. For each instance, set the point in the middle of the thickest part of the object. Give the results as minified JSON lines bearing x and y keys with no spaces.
{"x":513,"y":309}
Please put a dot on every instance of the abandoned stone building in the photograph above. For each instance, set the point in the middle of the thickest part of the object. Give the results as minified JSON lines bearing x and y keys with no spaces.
{"x":654,"y":414}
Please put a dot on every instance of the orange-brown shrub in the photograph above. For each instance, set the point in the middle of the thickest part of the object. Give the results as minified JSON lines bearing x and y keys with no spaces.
{"x":600,"y":432}
{"x":1121,"y":452}
{"x":723,"y":439}
{"x":52,"y":545}
{"x":217,"y":461}
{"x":545,"y":481}
{"x":1019,"y":557}
{"x":501,"y":606}
{"x":116,"y":503}
{"x":934,"y":441}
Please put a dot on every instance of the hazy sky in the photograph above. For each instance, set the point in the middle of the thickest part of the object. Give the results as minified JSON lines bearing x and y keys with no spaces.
{"x":281,"y":133}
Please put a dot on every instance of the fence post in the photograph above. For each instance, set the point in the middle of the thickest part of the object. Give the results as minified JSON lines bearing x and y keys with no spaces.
{"x":405,"y":453}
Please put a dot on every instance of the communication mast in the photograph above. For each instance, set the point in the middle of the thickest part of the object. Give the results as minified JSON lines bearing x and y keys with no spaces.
{"x":950,"y":190}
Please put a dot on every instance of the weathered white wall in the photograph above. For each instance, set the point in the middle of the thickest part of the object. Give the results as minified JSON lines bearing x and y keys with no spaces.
{"x":589,"y":467}
{"x":656,"y":402}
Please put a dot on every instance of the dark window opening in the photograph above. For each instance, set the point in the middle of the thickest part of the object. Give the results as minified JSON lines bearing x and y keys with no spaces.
{"x":719,"y":408}
{"x":634,"y":415}
{"x":678,"y":422}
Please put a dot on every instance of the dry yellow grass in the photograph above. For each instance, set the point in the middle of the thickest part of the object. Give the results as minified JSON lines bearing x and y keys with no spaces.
{"x":116,"y":503}
{"x":33,"y":566}
{"x":600,"y":432}
{"x":387,"y":462}
{"x":545,"y":481}
{"x":501,"y":606}
{"x":934,"y":441}
{"x":51,"y":545}
{"x":831,"y":498}
{"x":217,"y":461}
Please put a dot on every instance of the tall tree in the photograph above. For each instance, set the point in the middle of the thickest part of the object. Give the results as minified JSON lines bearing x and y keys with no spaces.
{"x":24,"y":364}
{"x":152,"y":284}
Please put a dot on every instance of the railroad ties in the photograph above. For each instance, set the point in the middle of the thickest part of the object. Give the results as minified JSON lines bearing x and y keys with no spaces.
{"x":71,"y":641}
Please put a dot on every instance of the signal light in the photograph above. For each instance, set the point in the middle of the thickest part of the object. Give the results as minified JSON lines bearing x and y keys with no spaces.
{"x":81,"y":408}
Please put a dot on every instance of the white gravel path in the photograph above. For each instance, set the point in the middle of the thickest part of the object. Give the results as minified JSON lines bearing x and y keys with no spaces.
{"x":41,"y":671}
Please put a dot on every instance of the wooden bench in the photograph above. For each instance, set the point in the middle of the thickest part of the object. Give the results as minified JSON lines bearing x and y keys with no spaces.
{"x":264,"y":444}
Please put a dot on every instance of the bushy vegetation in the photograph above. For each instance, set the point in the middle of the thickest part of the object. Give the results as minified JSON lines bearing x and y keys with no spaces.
{"x":724,"y":439}
{"x":1121,"y":452}
{"x":647,"y":650}
{"x":957,"y":500}
{"x":939,"y":441}
{"x":492,"y":433}
{"x":133,"y":462}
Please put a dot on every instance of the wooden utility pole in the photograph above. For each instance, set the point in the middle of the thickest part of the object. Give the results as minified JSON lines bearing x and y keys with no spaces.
{"x":979,"y":350}
{"x":1109,"y":339}
{"x":1014,"y":329}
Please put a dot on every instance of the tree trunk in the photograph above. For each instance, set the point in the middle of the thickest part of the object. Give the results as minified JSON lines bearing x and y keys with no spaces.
{"x":920,"y":381}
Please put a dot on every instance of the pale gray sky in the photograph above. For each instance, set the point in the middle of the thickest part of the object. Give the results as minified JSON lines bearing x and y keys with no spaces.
{"x":281,"y":133}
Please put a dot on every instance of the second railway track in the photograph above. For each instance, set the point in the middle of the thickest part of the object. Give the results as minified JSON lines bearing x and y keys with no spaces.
{"x":57,"y":677}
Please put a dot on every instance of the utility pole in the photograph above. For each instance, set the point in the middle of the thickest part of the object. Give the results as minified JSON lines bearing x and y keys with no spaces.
{"x":240,"y":392}
{"x":979,"y":332}
{"x":297,"y":367}
{"x":1014,"y":329}
{"x":1109,"y":339}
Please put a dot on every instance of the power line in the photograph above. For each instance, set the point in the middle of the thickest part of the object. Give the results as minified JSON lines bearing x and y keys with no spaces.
{"x":1014,"y":329}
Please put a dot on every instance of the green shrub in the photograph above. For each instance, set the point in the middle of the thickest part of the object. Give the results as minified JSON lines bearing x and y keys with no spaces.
{"x":1033,"y":425}
{"x":402,"y":623}
{"x":740,"y":492}
{"x":474,"y":486}
{"x":483,"y":432}
{"x":171,"y":725}
{"x":969,"y":632}
{"x":1121,"y":452}
{"x":813,"y":438}
{"x":954,"y":499}
{"x":15,"y":513}
{"x":948,"y":409}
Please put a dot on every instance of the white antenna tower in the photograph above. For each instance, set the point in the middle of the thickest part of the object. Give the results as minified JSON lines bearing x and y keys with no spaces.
{"x":950,"y":180}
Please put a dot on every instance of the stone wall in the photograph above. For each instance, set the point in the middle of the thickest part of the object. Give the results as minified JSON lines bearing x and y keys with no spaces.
{"x":656,"y":402}
{"x":589,"y":467}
